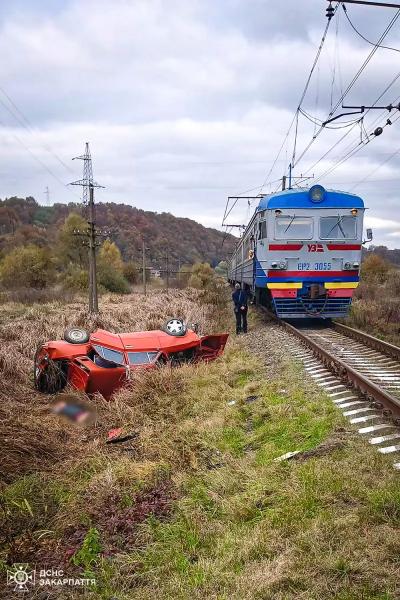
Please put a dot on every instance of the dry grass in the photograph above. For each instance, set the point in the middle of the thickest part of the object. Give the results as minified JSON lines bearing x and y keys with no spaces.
{"x":376,"y":308}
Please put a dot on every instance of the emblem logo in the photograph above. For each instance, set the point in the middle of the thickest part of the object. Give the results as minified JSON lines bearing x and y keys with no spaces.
{"x":21,"y":575}
{"x":315,"y":247}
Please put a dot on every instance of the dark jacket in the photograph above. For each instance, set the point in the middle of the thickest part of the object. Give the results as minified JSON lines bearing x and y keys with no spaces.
{"x":240,"y":298}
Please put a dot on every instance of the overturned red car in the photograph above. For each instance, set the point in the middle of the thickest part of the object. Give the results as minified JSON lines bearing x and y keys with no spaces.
{"x":103,"y":361}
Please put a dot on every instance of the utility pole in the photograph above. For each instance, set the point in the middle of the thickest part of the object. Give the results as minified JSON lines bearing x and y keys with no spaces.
{"x":179,"y":269}
{"x":284,"y":183}
{"x":167,"y":267}
{"x":144,"y":265}
{"x":47,"y":194}
{"x":91,"y":233}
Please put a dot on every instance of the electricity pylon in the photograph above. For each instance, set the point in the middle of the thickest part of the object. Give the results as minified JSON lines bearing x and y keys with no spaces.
{"x":91,"y":233}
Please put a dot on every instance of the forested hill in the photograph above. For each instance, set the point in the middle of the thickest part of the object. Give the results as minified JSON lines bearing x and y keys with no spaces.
{"x":24,"y":221}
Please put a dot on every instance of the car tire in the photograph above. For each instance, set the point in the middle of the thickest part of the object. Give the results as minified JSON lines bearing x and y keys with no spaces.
{"x":175,"y":327}
{"x":52,"y":378}
{"x":76,"y":335}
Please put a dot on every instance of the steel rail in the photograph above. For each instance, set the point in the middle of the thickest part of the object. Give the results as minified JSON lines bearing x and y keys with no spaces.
{"x":368,"y":340}
{"x":350,"y":376}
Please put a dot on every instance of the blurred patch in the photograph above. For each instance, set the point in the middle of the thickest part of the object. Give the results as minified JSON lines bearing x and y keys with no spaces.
{"x":73,"y":410}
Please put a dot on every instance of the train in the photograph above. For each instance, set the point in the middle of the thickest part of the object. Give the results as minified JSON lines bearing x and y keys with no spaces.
{"x":300,"y":254}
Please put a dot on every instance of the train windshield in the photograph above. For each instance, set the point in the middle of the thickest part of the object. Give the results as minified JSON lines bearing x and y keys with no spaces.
{"x":338,"y":228}
{"x":293,"y":228}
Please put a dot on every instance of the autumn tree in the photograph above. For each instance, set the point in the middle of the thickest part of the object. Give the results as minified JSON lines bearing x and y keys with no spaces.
{"x":110,"y":268}
{"x":28,"y":266}
{"x":69,"y":247}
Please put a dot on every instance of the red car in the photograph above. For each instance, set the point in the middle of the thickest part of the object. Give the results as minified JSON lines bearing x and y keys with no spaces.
{"x":103,"y":361}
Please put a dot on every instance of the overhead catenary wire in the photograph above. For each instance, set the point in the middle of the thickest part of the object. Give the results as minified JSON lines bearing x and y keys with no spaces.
{"x":345,"y":10}
{"x":378,"y":118}
{"x":350,"y":154}
{"x":296,"y":114}
{"x":350,"y":85}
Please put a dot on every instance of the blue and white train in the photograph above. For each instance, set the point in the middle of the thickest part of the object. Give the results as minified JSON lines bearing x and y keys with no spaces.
{"x":301,"y":252}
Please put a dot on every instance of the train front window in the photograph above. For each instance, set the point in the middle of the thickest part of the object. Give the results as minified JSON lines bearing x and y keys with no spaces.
{"x":340,"y":227}
{"x":291,"y":227}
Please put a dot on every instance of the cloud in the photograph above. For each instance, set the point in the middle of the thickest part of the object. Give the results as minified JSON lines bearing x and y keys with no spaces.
{"x":186,"y":102}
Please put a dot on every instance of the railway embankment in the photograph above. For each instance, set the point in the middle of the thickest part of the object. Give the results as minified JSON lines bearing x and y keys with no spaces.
{"x":205,"y":501}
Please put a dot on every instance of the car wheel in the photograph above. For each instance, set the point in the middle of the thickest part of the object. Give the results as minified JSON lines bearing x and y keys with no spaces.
{"x":175,"y":327}
{"x":50,"y":376}
{"x":76,"y":335}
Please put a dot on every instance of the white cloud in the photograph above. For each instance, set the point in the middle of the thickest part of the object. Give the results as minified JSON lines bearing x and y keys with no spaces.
{"x":185,"y":103}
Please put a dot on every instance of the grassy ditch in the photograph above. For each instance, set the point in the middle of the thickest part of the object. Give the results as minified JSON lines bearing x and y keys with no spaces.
{"x":195,"y":506}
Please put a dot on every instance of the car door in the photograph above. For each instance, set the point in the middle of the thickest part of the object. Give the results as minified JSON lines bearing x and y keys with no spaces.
{"x":212,"y":346}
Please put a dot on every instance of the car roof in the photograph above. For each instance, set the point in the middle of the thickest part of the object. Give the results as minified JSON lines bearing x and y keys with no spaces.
{"x":145,"y":340}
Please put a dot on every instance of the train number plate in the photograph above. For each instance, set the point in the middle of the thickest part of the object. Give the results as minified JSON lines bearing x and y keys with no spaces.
{"x":314,"y":266}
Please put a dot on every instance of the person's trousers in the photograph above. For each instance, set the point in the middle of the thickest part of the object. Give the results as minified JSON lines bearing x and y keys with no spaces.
{"x":241,"y":320}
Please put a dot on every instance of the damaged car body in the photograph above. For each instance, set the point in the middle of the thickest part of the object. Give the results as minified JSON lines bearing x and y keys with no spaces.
{"x":102,"y":361}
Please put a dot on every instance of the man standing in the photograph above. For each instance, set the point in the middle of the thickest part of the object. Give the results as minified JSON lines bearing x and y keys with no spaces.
{"x":240,"y":299}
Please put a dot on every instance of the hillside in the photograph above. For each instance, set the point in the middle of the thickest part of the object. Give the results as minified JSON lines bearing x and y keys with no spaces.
{"x":23,"y":220}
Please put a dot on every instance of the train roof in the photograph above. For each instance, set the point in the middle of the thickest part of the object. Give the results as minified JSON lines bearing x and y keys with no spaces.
{"x":313,"y":197}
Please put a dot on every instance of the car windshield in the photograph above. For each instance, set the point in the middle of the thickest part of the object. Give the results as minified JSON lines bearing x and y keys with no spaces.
{"x":141,"y":358}
{"x":110,"y":355}
{"x":338,"y":228}
{"x":291,"y":227}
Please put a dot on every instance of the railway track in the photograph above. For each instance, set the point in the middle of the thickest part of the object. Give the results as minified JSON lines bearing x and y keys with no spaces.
{"x":360,"y":373}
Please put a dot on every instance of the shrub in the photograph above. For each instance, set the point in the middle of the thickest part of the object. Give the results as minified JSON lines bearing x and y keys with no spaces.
{"x":202,"y":276}
{"x":131,"y":272}
{"x":375,"y":269}
{"x":76,"y":279}
{"x":28,"y":266}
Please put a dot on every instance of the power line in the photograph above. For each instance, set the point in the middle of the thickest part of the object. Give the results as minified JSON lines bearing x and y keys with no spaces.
{"x":36,"y":158}
{"x":24,"y":121}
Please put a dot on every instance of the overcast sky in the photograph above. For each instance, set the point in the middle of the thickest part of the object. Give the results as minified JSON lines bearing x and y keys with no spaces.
{"x":185,"y":102}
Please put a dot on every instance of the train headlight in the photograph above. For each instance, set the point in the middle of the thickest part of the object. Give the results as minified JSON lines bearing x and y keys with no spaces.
{"x":316,"y":193}
{"x":274,"y":265}
{"x":354,"y":212}
{"x":282,"y":265}
{"x":356,"y":265}
{"x":347,"y":265}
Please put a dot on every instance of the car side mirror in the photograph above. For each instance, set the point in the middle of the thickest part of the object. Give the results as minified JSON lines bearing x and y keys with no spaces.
{"x":369,"y":235}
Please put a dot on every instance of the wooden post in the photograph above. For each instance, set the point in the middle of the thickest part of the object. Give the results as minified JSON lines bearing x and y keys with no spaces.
{"x":93,"y":300}
{"x":144,"y":266}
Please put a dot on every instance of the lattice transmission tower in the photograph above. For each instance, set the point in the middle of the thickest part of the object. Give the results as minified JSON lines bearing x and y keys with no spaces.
{"x":92,"y":233}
